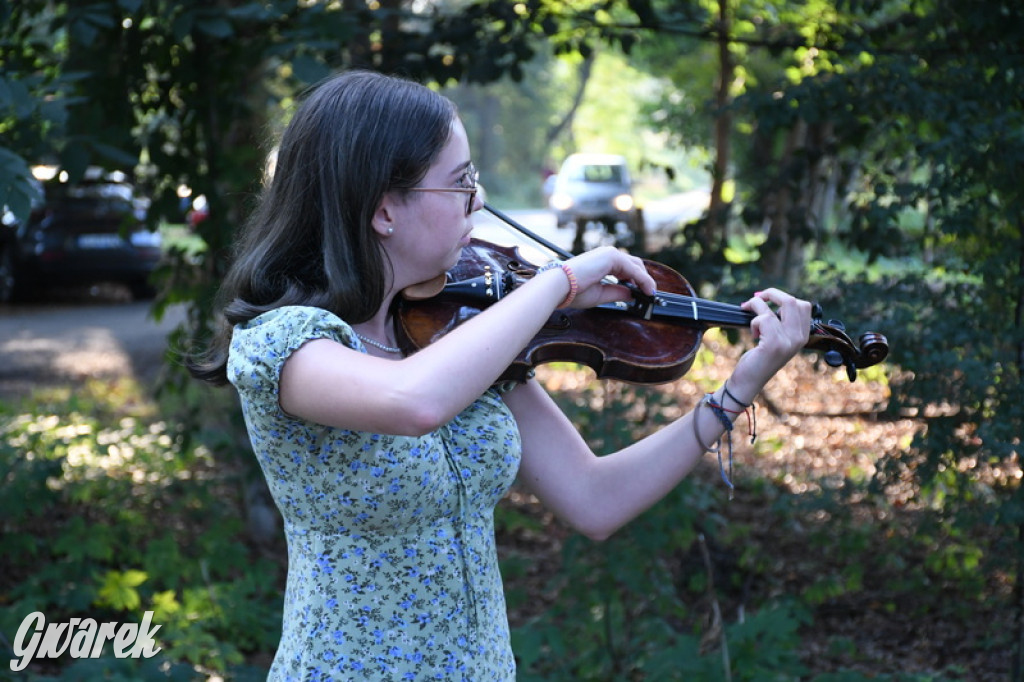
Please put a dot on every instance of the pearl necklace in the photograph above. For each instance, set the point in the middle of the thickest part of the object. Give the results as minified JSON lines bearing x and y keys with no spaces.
{"x":378,"y":344}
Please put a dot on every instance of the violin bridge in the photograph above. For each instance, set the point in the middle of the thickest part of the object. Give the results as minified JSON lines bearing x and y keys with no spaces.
{"x":646,"y":305}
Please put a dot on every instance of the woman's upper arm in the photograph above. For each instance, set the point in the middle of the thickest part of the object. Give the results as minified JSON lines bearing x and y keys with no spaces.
{"x":326,"y":382}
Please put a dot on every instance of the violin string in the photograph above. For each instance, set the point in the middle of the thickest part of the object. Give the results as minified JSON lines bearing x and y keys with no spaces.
{"x":679,"y":299}
{"x":706,"y":307}
{"x":684,"y":299}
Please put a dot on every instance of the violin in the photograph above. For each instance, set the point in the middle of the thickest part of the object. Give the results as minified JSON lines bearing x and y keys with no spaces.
{"x":651,"y":339}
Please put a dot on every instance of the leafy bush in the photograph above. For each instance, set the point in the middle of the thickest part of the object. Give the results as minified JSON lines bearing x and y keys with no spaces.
{"x":106,"y":516}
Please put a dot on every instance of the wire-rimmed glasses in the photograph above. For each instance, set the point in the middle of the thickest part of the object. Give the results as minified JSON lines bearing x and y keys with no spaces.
{"x":471,"y":176}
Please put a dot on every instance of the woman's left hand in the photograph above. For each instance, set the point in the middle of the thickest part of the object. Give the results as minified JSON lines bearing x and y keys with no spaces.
{"x":781,"y":332}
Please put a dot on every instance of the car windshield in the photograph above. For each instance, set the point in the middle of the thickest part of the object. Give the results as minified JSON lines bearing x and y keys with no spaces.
{"x":597,"y":173}
{"x":98,"y":196}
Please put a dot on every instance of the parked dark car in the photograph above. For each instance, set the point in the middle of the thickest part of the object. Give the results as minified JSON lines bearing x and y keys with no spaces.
{"x":86,"y":233}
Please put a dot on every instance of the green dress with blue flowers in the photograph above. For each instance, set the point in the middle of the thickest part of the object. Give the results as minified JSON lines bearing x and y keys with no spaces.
{"x":393,"y":570}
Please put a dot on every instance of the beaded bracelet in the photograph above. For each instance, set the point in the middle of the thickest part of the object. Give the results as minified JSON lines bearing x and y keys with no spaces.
{"x":574,"y":284}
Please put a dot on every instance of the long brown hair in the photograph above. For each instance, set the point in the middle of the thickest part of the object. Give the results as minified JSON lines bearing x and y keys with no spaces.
{"x":310,"y":241}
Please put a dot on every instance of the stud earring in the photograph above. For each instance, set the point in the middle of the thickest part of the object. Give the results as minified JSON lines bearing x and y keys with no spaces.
{"x":391,"y":231}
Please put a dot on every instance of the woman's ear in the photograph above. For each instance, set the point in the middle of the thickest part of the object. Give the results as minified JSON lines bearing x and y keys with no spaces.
{"x":384,"y":217}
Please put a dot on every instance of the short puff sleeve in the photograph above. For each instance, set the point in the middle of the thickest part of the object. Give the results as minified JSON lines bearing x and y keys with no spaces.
{"x":260,"y":347}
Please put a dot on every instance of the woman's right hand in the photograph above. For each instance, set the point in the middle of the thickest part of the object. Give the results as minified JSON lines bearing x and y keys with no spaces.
{"x":591,"y":269}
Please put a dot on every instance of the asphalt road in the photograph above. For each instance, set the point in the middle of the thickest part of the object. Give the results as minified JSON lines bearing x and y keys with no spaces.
{"x":70,"y":339}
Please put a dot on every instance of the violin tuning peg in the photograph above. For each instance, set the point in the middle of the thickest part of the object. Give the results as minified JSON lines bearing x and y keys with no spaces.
{"x":837,"y":324}
{"x":817,"y":311}
{"x":834,"y":358}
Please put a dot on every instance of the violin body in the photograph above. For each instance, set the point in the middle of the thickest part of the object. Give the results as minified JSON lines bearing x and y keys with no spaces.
{"x":613,"y":344}
{"x":652,"y":340}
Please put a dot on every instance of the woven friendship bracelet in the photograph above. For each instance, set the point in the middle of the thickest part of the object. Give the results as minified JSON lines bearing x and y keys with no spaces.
{"x":749,"y":409}
{"x":728,"y":393}
{"x":696,"y":429}
{"x":720,"y":413}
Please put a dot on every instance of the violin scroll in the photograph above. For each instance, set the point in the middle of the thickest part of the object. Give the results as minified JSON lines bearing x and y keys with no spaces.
{"x":840,"y":350}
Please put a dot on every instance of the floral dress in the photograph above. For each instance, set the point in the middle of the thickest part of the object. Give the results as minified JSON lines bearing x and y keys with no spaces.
{"x":393,"y":571}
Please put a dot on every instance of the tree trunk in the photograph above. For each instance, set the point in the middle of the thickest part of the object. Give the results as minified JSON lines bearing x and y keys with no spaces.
{"x":586,"y":68}
{"x":798,"y":199}
{"x":713,"y":234}
{"x":565,"y":124}
{"x":781,"y":248}
{"x":1017,"y":674}
{"x":824,"y":185}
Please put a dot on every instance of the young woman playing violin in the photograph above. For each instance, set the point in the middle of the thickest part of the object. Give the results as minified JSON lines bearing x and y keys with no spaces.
{"x":387,"y":468}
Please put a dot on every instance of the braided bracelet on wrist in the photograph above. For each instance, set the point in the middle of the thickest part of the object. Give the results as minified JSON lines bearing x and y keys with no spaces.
{"x":722,"y":414}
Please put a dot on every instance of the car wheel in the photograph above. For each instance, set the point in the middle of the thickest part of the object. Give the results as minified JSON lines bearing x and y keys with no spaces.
{"x":9,"y":289}
{"x":142,"y":290}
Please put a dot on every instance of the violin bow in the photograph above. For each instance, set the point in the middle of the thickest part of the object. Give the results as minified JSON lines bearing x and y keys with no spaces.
{"x":554,"y":248}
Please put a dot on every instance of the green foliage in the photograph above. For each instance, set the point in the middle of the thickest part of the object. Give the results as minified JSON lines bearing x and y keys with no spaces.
{"x":912,"y":122}
{"x":18,"y":191}
{"x":105,"y":515}
{"x":639,"y":606}
{"x":118,"y":590}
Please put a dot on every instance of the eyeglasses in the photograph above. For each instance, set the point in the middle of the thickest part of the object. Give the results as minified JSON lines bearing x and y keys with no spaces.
{"x":471,"y":176}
